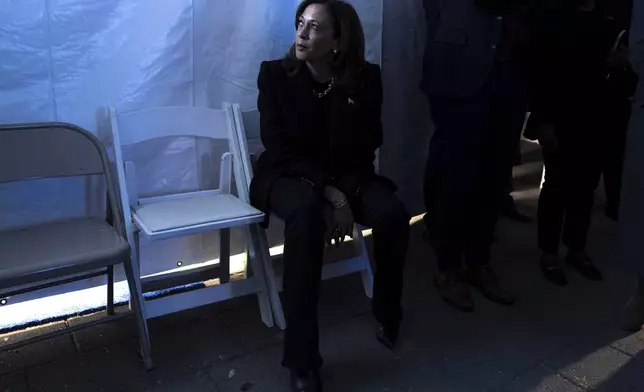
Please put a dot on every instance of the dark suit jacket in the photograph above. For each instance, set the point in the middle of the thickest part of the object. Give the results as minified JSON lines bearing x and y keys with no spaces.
{"x":287,"y":109}
{"x":568,"y":67}
{"x":463,"y":39}
{"x":461,"y":47}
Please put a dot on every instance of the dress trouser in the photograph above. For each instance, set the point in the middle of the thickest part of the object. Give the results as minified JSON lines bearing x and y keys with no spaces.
{"x":508,"y":201}
{"x":470,"y":155}
{"x":296,"y":202}
{"x":619,"y":116}
{"x":573,"y":171}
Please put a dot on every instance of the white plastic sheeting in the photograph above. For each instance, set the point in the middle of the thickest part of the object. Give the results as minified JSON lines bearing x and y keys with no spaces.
{"x":406,"y":115}
{"x":66,"y":60}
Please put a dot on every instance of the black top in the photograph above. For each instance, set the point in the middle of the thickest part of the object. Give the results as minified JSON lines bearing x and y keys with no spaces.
{"x":568,"y":68}
{"x":584,"y":51}
{"x":320,"y":121}
{"x":323,"y":141}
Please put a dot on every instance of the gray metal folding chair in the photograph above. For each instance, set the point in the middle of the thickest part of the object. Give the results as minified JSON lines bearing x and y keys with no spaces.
{"x":37,"y":257}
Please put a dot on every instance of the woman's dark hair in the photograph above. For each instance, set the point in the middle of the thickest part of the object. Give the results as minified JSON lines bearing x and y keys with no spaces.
{"x":349,"y":62}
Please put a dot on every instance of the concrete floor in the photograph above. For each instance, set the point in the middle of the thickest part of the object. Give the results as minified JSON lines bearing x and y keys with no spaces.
{"x":553,"y":339}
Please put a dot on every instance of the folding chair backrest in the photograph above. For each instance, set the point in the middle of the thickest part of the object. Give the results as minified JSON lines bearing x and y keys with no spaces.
{"x":251,"y":123}
{"x":247,"y":129}
{"x":139,"y":126}
{"x":143,"y":125}
{"x":32,"y":151}
{"x":50,"y":150}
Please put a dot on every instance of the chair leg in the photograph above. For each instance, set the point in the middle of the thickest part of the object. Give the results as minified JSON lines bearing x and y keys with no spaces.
{"x":224,"y":255}
{"x":136,"y":265}
{"x":137,"y":304}
{"x":259,"y":241}
{"x":254,"y":258}
{"x":367,"y":272}
{"x":110,"y":290}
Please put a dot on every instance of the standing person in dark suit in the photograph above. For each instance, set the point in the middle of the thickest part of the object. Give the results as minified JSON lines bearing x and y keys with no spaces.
{"x":631,"y":224}
{"x":472,"y":78}
{"x":320,"y":110}
{"x":622,"y":82}
{"x":573,"y":123}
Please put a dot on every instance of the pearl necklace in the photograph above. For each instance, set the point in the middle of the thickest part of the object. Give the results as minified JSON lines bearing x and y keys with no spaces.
{"x":327,"y":91}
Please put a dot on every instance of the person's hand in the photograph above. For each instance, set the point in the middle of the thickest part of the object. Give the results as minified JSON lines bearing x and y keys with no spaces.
{"x":339,"y":217}
{"x":339,"y":224}
{"x":343,"y":219}
{"x":547,"y":137}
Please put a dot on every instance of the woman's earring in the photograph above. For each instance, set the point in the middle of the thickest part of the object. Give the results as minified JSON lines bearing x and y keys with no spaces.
{"x":335,"y":51}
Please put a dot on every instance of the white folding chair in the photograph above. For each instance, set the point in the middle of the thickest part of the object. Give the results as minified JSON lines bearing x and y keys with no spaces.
{"x":177,"y":215}
{"x":247,"y":124}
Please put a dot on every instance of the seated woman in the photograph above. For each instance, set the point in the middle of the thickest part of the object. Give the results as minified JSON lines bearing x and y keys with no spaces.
{"x":320,"y":113}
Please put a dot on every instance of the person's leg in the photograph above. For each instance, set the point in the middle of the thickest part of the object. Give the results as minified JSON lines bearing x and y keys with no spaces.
{"x":550,"y":217}
{"x":614,"y":157}
{"x":581,"y":175}
{"x":551,"y":212}
{"x":452,"y":176}
{"x":378,"y":208}
{"x":446,"y":165}
{"x":503,"y":130}
{"x":295,"y":202}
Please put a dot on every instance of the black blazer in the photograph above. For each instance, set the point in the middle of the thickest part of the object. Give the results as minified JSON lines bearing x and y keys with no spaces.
{"x":287,"y":109}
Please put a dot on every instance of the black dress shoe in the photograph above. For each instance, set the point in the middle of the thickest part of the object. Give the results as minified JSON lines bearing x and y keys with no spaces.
{"x":512,"y":211}
{"x":306,"y":381}
{"x":387,"y":335}
{"x":552,"y":270}
{"x":584,"y":265}
{"x":485,"y":280}
{"x":454,"y":292}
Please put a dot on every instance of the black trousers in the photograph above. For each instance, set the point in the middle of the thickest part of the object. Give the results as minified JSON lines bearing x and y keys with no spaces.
{"x":469,"y":165}
{"x":619,"y":114}
{"x":507,"y":200}
{"x":295,"y":201}
{"x":573,"y":171}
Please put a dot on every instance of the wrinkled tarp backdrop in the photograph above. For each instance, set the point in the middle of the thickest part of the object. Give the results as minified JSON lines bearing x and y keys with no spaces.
{"x":66,"y":60}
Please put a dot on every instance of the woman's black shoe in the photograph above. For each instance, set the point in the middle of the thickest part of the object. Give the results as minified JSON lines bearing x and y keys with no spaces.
{"x":387,"y":335}
{"x":552,"y":270}
{"x":307,"y":381}
{"x":584,"y":265}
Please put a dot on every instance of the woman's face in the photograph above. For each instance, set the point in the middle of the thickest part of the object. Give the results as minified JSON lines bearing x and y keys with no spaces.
{"x":315,"y":36}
